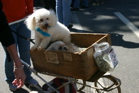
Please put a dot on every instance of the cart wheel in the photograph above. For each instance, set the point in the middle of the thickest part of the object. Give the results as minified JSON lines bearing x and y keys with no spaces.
{"x":85,"y":87}
{"x":108,"y":84}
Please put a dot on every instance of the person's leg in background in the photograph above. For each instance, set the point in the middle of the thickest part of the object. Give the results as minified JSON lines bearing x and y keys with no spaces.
{"x":66,"y":12}
{"x":63,"y":12}
{"x":59,"y":11}
{"x":85,"y":4}
{"x":76,"y":5}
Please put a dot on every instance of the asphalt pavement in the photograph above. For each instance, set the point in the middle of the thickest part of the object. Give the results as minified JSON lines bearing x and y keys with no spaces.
{"x":106,"y":18}
{"x":119,"y":18}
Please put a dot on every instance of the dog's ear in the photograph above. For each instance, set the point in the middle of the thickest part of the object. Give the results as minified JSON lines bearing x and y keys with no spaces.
{"x":30,"y":22}
{"x":53,"y":17}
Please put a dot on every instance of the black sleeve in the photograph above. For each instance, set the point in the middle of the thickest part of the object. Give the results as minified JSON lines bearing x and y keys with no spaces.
{"x":6,"y":36}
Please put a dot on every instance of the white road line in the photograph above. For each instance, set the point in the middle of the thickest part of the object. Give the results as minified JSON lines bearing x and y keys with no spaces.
{"x":130,"y":25}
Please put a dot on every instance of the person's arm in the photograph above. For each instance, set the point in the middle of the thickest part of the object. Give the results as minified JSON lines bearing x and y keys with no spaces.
{"x":7,"y":40}
{"x":18,"y":68}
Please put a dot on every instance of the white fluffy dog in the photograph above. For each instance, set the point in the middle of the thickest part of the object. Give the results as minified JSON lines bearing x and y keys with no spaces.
{"x":61,"y":46}
{"x":47,"y":28}
{"x":58,"y":46}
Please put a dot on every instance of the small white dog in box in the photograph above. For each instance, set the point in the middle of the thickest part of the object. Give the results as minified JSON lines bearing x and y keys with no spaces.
{"x":47,"y":28}
{"x":61,"y":46}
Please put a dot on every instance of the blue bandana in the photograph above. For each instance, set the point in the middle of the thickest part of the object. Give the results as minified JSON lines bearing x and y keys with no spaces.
{"x":42,"y":32}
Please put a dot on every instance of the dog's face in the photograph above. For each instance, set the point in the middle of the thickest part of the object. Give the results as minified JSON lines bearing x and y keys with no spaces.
{"x":43,"y":21}
{"x":41,"y":18}
{"x":59,"y":46}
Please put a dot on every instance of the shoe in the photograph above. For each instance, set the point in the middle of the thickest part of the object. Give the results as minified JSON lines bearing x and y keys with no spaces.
{"x":74,"y":9}
{"x":70,"y":26}
{"x":11,"y":86}
{"x":31,"y":84}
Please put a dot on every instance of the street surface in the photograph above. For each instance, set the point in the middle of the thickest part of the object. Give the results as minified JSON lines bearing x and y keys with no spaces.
{"x":120,"y":18}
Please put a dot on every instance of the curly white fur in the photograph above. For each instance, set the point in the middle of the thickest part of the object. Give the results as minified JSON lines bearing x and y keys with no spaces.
{"x":46,"y":20}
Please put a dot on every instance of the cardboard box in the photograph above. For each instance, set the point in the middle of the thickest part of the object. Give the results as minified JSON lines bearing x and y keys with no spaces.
{"x":77,"y":65}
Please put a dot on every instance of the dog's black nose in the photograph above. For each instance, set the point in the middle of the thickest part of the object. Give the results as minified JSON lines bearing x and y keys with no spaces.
{"x":46,"y":25}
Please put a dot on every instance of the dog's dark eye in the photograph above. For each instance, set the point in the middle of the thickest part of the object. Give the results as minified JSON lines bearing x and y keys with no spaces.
{"x":47,"y":18}
{"x":60,"y":48}
{"x":65,"y":48}
{"x":41,"y":20}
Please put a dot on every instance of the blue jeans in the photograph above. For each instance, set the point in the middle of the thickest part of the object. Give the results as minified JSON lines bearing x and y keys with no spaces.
{"x":77,"y":3}
{"x":63,"y":11}
{"x":23,"y":47}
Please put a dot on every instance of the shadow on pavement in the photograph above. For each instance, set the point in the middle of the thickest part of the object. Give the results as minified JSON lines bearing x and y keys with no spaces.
{"x":21,"y":91}
{"x":118,"y":41}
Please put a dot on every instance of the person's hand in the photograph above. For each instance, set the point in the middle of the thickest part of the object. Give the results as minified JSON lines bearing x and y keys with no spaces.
{"x":18,"y":68}
{"x":19,"y":77}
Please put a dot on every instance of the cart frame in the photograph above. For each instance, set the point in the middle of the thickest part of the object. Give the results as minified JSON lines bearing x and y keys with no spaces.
{"x":94,"y":79}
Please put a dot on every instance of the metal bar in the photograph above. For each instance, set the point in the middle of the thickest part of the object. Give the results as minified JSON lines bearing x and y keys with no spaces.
{"x":28,"y":66}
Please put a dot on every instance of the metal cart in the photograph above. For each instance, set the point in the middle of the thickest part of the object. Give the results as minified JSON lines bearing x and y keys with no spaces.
{"x":78,"y":68}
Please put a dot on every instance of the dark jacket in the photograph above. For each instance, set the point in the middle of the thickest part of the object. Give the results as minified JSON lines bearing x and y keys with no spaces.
{"x":6,"y":36}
